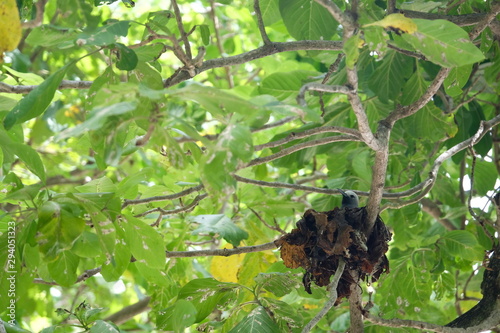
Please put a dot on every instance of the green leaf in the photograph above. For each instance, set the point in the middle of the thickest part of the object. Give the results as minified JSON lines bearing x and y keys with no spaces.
{"x":105,"y":35}
{"x":222,"y":225}
{"x":205,"y":294}
{"x":127,"y":59}
{"x":376,"y":38}
{"x":284,"y":314}
{"x":279,"y":284}
{"x":63,"y":268}
{"x":113,"y":268}
{"x":270,"y":11}
{"x":25,"y":153}
{"x":216,"y":101}
{"x":87,"y":245}
{"x":351,"y":51}
{"x":460,"y":243}
{"x":35,"y":103}
{"x":58,"y":229}
{"x":103,"y":184}
{"x":101,"y":326}
{"x":50,"y":36}
{"x":283,"y":85}
{"x":205,"y":34}
{"x":456,"y":80}
{"x":485,"y":177}
{"x":177,"y":317}
{"x":97,"y":118}
{"x":306,"y":19}
{"x":257,"y":321}
{"x":444,"y":43}
{"x":389,"y":77}
{"x":145,"y":242}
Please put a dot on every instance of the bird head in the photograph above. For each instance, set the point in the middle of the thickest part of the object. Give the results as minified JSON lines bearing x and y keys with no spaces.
{"x":349,"y":199}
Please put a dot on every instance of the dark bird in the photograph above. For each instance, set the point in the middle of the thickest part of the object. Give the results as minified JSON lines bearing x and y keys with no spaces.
{"x":349,"y":199}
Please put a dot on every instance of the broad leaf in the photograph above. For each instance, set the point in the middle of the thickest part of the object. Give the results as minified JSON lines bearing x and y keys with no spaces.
{"x":145,"y":243}
{"x":35,"y":103}
{"x":257,"y":321}
{"x":306,"y":19}
{"x":222,"y":225}
{"x":444,"y":43}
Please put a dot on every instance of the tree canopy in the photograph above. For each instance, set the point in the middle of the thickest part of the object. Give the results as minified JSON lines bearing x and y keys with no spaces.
{"x":152,"y":153}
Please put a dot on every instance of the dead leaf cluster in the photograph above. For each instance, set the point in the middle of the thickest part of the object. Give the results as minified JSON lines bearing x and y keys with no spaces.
{"x":322,"y":238}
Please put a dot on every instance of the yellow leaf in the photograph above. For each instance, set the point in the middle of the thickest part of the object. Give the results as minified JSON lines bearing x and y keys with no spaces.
{"x":396,"y":22}
{"x":10,"y":26}
{"x":225,"y":269}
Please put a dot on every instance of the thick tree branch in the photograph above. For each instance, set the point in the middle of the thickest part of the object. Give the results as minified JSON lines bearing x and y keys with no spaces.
{"x":421,"y":325}
{"x":460,"y":20}
{"x":261,"y":52}
{"x":339,"y":16}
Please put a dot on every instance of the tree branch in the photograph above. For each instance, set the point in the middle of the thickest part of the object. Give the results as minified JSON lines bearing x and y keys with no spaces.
{"x":495,"y":10}
{"x":221,"y":252}
{"x":182,"y":209}
{"x":331,"y":299}
{"x":300,"y":135}
{"x":314,"y":86}
{"x":406,"y":111}
{"x":337,"y":14}
{"x":40,"y":10}
{"x":420,"y":325}
{"x":295,"y":187}
{"x":460,"y":20}
{"x":261,"y":52}
{"x":431,"y":208}
{"x":428,"y":183}
{"x":163,"y":197}
{"x":300,"y":146}
{"x":129,"y":312}
{"x":260,"y":22}
{"x":180,"y":26}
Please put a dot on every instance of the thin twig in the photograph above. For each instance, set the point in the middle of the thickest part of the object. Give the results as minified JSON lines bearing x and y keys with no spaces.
{"x":182,"y":209}
{"x":260,"y":22}
{"x":163,"y":197}
{"x":300,"y":135}
{"x":331,"y":299}
{"x":300,"y":146}
{"x":180,"y":26}
{"x":220,"y":47}
{"x":314,"y":86}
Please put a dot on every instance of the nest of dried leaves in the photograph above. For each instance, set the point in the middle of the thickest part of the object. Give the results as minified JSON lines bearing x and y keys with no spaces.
{"x":322,"y":238}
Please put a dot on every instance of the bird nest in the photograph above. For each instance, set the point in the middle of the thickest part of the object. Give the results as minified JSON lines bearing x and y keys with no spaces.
{"x":322,"y":238}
